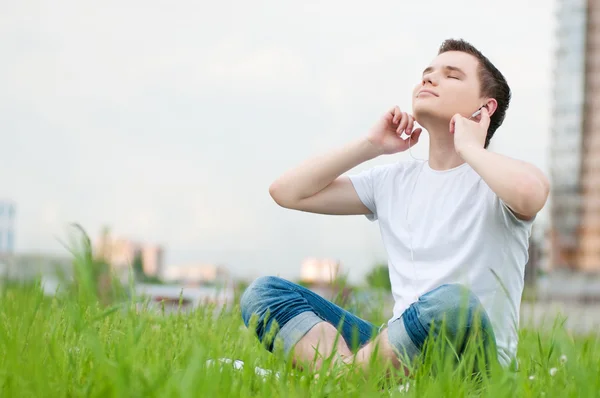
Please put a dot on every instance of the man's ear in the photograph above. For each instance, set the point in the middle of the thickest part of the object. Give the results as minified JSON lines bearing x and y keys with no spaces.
{"x":491,"y":104}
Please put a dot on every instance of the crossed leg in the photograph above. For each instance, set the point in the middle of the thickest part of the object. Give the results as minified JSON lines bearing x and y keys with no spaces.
{"x":314,"y":330}
{"x":324,"y":339}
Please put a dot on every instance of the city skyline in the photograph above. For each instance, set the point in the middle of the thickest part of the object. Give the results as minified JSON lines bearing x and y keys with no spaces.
{"x":168,"y":124}
{"x":575,"y":215}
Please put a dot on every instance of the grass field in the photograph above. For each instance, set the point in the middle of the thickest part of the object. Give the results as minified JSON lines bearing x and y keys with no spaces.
{"x":71,"y":345}
{"x":61,"y":347}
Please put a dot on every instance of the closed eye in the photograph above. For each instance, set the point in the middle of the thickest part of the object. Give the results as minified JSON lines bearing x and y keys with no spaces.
{"x":453,"y":77}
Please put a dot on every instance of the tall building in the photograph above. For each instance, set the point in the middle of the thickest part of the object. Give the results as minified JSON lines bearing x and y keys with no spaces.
{"x":7,"y":227}
{"x":120,"y":253}
{"x":575,"y":147}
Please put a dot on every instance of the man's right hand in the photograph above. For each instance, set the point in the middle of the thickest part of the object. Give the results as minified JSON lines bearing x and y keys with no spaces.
{"x":318,"y":186}
{"x":386,"y":134}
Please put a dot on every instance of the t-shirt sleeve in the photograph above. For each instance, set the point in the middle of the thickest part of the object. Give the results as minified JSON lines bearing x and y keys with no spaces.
{"x":509,"y":217}
{"x":366,"y":184}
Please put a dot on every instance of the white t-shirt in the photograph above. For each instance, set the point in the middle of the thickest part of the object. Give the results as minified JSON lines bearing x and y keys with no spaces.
{"x":461,"y":232}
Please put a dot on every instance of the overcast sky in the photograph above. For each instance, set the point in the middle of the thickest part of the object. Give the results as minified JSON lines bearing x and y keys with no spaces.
{"x":167,"y":121}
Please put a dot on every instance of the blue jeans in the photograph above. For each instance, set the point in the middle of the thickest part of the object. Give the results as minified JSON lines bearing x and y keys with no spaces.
{"x":287,"y":311}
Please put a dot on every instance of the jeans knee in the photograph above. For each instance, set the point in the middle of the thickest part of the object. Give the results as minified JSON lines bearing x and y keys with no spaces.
{"x":453,"y":310}
{"x":463,"y":317}
{"x":458,"y":304}
{"x":253,"y":297}
{"x":456,"y":294}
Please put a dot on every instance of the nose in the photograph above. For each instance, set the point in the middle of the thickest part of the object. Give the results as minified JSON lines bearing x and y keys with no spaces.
{"x":429,"y":78}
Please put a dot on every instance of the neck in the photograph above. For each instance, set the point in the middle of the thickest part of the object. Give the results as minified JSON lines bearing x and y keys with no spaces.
{"x":442,"y":155}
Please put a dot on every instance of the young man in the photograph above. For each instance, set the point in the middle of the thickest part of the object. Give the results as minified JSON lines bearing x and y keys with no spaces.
{"x":455,"y":227}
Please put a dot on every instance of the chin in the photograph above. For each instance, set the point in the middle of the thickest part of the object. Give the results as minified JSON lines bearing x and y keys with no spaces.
{"x":422,"y":113}
{"x":427,"y":113}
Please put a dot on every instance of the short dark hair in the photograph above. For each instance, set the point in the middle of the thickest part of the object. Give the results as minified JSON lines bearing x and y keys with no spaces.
{"x":493,"y":84}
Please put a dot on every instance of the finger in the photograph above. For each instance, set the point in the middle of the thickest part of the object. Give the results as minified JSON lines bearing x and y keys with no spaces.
{"x":397,"y":114}
{"x":398,"y":130}
{"x":416,"y":134}
{"x":485,"y":118}
{"x":455,"y":119}
{"x":413,"y":138}
{"x":390,"y":115}
{"x":410,"y":126}
{"x":403,"y":123}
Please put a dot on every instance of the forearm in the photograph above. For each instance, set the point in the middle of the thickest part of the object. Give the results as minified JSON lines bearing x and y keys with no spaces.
{"x":522,"y":186}
{"x":318,"y":172}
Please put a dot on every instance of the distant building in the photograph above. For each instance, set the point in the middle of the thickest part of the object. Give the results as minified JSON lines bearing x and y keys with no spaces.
{"x":315,"y":270}
{"x":195,"y":274}
{"x":575,"y":144}
{"x":26,"y":266}
{"x":153,"y":259}
{"x":120,"y":254}
{"x":7,"y":227}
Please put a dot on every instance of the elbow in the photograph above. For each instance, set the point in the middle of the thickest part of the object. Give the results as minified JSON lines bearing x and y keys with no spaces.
{"x":274,"y":192}
{"x":278,"y":195}
{"x":533,"y":194}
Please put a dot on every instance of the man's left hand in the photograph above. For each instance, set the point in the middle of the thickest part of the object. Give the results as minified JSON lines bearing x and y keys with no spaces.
{"x":469,"y":133}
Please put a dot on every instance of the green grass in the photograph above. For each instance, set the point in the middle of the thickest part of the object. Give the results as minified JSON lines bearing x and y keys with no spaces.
{"x":58,"y":347}
{"x":72,"y":345}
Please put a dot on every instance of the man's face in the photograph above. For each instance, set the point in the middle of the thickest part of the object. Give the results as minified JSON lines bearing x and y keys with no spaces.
{"x":450,"y":85}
